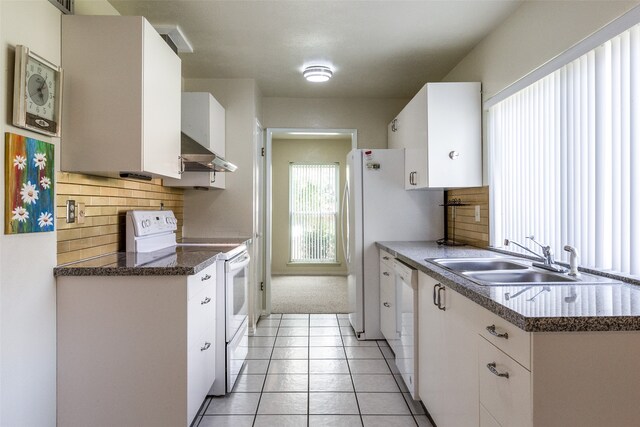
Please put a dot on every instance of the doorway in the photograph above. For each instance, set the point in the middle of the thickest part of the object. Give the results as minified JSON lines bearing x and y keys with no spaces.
{"x":305,"y":270}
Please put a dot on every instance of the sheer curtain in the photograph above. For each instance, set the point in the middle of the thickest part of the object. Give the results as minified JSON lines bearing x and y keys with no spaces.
{"x":564,"y":158}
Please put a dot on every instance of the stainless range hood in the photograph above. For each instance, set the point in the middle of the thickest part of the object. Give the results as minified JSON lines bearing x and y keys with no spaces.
{"x":196,"y":158}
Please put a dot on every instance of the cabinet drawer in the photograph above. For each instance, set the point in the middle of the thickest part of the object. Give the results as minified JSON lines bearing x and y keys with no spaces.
{"x":199,"y":280}
{"x":507,"y":399}
{"x":507,"y":337}
{"x":388,"y":310}
{"x":201,"y":374}
{"x":201,"y":315}
{"x":387,"y":259}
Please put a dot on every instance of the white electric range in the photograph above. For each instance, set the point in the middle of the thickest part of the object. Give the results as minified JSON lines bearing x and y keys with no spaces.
{"x":149,"y":231}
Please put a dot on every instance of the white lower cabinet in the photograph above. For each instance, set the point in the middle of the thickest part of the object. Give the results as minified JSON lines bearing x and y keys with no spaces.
{"x":134,"y":350}
{"x":486,"y":420}
{"x":388,"y":321}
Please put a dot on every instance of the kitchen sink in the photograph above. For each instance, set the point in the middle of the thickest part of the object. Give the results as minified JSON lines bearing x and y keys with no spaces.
{"x":512,"y":272}
{"x":478,"y":264}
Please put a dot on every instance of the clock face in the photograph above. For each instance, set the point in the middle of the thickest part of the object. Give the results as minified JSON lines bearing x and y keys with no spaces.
{"x":40,"y":90}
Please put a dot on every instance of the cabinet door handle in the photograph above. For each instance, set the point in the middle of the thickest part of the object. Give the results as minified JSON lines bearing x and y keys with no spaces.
{"x":386,"y":273}
{"x":206,"y":346}
{"x":435,"y":293}
{"x":440,"y":306}
{"x":206,"y":277}
{"x":492,"y":330}
{"x":386,"y":304}
{"x":385,"y":258}
{"x":207,"y":300}
{"x":492,"y":367}
{"x":454,"y":155}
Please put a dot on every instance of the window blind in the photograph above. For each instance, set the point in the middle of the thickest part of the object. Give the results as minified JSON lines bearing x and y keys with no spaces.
{"x":313,"y":212}
{"x":564,"y":158}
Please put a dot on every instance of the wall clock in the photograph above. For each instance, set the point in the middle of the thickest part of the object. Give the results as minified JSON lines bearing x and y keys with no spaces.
{"x":37,"y":93}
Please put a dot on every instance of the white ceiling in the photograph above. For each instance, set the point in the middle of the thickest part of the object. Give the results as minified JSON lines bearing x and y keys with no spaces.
{"x":378,"y":49}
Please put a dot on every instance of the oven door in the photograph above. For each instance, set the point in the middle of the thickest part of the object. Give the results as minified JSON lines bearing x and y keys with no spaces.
{"x":237,"y":289}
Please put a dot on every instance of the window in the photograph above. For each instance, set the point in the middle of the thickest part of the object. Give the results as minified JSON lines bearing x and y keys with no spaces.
{"x":564,"y":158}
{"x":313,"y":212}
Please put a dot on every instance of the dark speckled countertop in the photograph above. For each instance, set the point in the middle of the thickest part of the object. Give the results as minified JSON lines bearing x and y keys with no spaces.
{"x":173,"y":261}
{"x":553,"y":308}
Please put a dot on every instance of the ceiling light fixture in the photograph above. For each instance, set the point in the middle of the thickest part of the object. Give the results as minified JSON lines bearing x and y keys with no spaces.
{"x":317,"y":73}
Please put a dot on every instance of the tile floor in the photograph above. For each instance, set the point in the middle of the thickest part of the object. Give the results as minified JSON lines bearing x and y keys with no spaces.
{"x":309,"y":370}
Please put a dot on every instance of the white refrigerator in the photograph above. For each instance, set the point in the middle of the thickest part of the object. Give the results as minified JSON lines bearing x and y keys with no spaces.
{"x":376,"y":207}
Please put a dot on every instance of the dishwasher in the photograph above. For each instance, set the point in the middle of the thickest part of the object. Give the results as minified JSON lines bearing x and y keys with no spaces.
{"x":406,"y":352}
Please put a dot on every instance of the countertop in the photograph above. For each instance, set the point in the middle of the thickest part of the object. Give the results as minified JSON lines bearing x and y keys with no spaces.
{"x":173,"y":261}
{"x":553,"y":308}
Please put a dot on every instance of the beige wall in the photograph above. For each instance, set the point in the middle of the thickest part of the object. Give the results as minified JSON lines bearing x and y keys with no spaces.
{"x":285,"y":151}
{"x":228,"y":212}
{"x":369,"y":116}
{"x":535,"y":33}
{"x":27,"y":286}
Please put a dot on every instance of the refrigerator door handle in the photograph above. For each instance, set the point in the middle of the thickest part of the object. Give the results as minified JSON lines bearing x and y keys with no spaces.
{"x":342,"y":235}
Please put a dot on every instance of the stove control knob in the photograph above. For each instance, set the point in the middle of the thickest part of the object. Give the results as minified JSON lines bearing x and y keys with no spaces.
{"x":146,"y":223}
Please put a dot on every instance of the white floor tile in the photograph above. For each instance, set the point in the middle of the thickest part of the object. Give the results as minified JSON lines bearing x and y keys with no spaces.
{"x":281,"y":421}
{"x":234,"y":404}
{"x":286,"y":383}
{"x":295,"y":316}
{"x":283,"y":403}
{"x":293,"y":332}
{"x":292,"y":342}
{"x":343,"y":316}
{"x":265,"y":332}
{"x":333,"y":403}
{"x":335,"y":421}
{"x":288,"y":367}
{"x":290,"y":353}
{"x":268,"y":323}
{"x":347,"y":331}
{"x":249,"y":383}
{"x":291,"y":323}
{"x":227,"y":421}
{"x":323,"y":322}
{"x":261,"y":341}
{"x":344,"y":321}
{"x":363,"y":353}
{"x":352,"y":341}
{"x":328,"y":367}
{"x":326,"y":353}
{"x":330,"y":382}
{"x":382,"y":404}
{"x":255,"y":367}
{"x":369,"y":366}
{"x":323,"y":316}
{"x":375,"y":383}
{"x":388,"y":421}
{"x":324,"y":331}
{"x":325,"y":341}
{"x":259,"y":353}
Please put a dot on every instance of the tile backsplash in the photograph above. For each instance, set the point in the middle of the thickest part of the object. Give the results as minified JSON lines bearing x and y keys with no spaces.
{"x":106,"y":200}
{"x":468,"y":230}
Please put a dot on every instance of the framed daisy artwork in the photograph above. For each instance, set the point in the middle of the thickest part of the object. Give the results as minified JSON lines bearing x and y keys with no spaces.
{"x":29,"y":194}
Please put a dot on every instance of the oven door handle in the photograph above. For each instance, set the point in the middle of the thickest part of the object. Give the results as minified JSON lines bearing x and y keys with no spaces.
{"x":238,"y":264}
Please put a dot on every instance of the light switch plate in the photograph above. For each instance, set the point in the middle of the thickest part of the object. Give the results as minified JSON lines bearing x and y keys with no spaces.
{"x":477,"y":213}
{"x":71,"y":211}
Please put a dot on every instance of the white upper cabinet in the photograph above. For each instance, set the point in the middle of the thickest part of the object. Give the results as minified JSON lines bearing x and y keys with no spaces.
{"x":441,"y":131}
{"x":203,"y":120}
{"x":121,"y":98}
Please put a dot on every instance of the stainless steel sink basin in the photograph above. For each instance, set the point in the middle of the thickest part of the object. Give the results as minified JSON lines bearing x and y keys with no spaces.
{"x":523,"y":276}
{"x":479,"y":264}
{"x":512,"y":272}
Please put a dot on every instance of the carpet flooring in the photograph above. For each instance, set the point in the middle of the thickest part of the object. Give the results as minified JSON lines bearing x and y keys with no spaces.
{"x":309,"y":294}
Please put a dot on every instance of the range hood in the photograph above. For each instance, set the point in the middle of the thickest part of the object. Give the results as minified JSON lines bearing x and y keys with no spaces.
{"x":196,"y":158}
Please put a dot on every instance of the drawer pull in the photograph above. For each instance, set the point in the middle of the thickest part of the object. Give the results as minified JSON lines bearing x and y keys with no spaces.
{"x":492,"y":367}
{"x":386,"y":304}
{"x":492,"y":330}
{"x":207,"y":300}
{"x":208,"y":344}
{"x":206,"y":277}
{"x":386,"y":273}
{"x":386,"y":258}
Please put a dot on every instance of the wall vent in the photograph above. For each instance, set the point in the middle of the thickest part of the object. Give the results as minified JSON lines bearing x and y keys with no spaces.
{"x":66,"y":6}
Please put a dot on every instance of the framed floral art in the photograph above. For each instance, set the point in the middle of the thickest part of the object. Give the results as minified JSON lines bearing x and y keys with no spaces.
{"x":29,"y":185}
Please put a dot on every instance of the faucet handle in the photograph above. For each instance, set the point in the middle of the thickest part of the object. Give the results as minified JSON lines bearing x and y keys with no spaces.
{"x":573,"y":260}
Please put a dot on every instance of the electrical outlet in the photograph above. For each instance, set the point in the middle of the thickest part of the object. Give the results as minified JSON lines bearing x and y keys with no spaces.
{"x":80,"y":213}
{"x":71,"y":211}
{"x":477,"y":213}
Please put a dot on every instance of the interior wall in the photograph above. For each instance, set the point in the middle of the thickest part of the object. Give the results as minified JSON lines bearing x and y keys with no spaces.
{"x":369,"y":116}
{"x":285,"y":151}
{"x":27,"y":285}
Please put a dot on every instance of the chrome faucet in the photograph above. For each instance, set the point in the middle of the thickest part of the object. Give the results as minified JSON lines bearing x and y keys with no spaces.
{"x":546,"y":259}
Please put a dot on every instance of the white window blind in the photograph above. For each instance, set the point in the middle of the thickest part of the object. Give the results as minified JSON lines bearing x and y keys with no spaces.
{"x":565,"y":158}
{"x":313,"y":212}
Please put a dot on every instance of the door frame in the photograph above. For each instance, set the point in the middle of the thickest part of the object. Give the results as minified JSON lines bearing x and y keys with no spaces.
{"x":269,"y":132}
